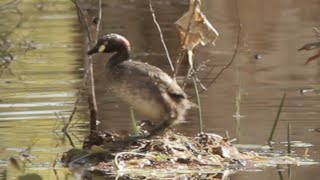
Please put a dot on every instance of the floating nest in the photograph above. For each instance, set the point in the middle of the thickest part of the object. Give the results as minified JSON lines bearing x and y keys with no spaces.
{"x":162,"y":157}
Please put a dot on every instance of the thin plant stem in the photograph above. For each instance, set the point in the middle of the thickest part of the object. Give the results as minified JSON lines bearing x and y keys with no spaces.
{"x":279,"y":173}
{"x":289,"y":171}
{"x":92,"y":98}
{"x":135,"y":130}
{"x":316,"y":30}
{"x":276,"y":119}
{"x":289,"y":138}
{"x":237,"y":115}
{"x":82,"y":17}
{"x":161,"y":35}
{"x":183,"y":51}
{"x":88,"y":73}
{"x":199,"y":104}
{"x":10,"y":3}
{"x":99,"y":21}
{"x":289,"y":147}
{"x":238,"y":105}
{"x":235,"y":51}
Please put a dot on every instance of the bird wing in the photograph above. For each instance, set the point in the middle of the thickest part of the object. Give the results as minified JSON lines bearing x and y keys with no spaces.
{"x":161,"y":79}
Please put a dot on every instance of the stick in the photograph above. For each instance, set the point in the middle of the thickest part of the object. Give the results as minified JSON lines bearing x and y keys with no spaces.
{"x":82,"y":17}
{"x":92,"y":98}
{"x":199,"y":104}
{"x":8,"y":4}
{"x":161,"y":35}
{"x":234,"y":54}
{"x":183,"y":51}
{"x":89,"y":71}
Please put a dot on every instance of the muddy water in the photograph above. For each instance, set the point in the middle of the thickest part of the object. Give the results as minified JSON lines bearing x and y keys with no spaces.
{"x":267,"y":66}
{"x":40,"y":86}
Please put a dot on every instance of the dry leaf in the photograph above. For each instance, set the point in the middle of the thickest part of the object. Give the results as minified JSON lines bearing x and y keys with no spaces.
{"x":200,"y":30}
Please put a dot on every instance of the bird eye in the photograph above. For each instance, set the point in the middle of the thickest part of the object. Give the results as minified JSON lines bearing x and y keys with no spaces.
{"x":101,"y":48}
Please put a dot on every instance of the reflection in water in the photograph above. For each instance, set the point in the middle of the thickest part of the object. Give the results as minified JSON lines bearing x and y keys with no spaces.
{"x":40,"y":72}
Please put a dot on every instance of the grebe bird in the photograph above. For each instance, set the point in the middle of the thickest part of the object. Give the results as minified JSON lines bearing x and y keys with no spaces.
{"x":150,"y":91}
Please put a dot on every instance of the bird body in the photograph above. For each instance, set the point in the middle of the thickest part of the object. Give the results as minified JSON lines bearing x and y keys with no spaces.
{"x":149,"y":90}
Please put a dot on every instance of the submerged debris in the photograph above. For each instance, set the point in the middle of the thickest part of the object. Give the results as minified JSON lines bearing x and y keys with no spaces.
{"x":311,"y":46}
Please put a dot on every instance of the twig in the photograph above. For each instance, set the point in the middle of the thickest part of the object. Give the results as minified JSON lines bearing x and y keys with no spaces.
{"x":8,"y":4}
{"x":54,"y":166}
{"x":161,"y":35}
{"x":99,"y":21}
{"x":80,"y":158}
{"x":193,"y":72}
{"x":89,"y":71}
{"x":92,"y":98}
{"x":234,"y":54}
{"x":199,"y":104}
{"x":82,"y":17}
{"x":316,"y":30}
{"x":199,"y":82}
{"x":66,"y":134}
{"x":75,"y":106}
{"x":178,"y":62}
{"x":183,"y":51}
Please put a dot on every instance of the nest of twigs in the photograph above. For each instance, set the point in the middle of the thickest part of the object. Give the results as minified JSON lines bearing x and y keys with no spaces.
{"x":168,"y":154}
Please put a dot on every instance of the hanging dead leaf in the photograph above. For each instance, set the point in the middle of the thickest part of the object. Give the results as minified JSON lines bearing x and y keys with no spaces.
{"x":194,"y":27}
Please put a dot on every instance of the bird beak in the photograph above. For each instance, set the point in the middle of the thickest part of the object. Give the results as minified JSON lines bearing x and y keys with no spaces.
{"x":97,"y":48}
{"x":93,"y":50}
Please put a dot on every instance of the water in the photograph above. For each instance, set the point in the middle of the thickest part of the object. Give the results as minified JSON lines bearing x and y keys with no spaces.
{"x":38,"y":89}
{"x":44,"y":81}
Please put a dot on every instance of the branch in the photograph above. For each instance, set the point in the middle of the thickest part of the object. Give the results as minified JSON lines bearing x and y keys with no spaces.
{"x":92,"y":98}
{"x":99,"y":20}
{"x":161,"y":35}
{"x":89,"y":72}
{"x":183,"y":51}
{"x":82,"y":17}
{"x":234,"y":54}
{"x":8,"y":4}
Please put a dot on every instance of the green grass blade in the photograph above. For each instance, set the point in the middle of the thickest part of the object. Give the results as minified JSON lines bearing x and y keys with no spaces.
{"x":135,"y":129}
{"x":277,"y":119}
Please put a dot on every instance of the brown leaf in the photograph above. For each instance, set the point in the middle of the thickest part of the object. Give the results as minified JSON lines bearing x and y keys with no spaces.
{"x":196,"y":27}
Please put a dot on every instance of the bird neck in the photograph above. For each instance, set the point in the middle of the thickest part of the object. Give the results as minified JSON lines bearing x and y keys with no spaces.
{"x":119,"y":57}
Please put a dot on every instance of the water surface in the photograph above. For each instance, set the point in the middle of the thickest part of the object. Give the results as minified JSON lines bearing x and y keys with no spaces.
{"x":39,"y":88}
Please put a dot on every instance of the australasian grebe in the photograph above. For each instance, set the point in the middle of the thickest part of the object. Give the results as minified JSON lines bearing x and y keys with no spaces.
{"x":150,"y":91}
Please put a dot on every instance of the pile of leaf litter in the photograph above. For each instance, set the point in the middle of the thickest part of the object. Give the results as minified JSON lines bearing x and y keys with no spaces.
{"x":167,"y":154}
